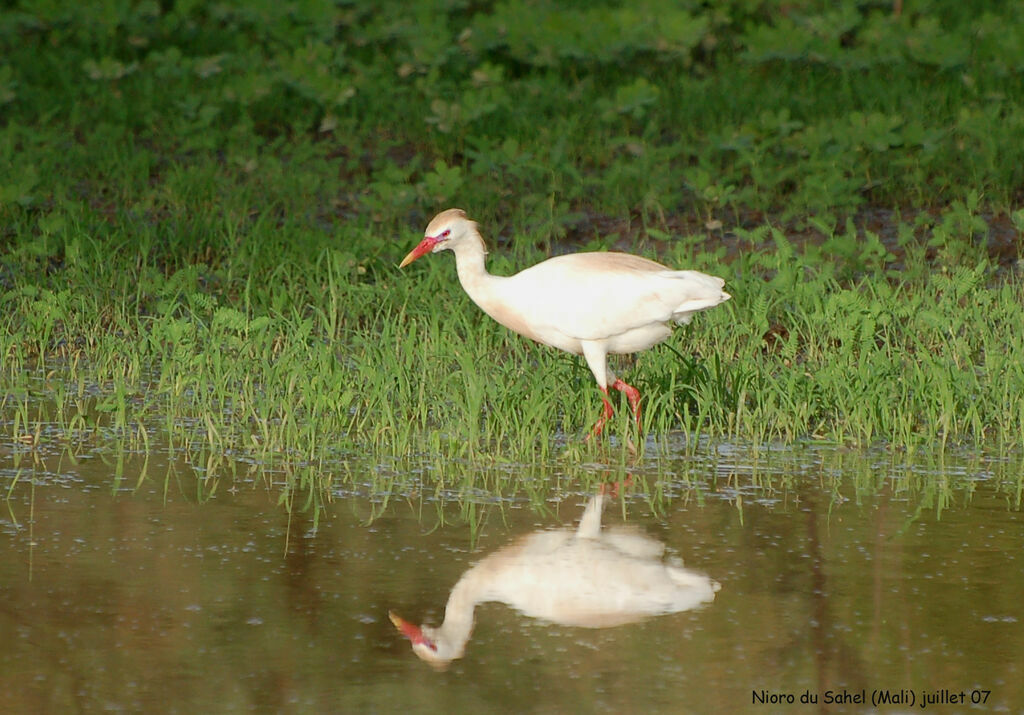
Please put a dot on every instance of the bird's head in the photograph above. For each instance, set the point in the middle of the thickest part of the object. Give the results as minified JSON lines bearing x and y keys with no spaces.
{"x":443,"y":232}
{"x":426,"y":643}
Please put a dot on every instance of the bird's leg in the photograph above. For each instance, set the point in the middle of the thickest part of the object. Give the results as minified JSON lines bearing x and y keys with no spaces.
{"x":607,"y":413}
{"x":633,"y":395}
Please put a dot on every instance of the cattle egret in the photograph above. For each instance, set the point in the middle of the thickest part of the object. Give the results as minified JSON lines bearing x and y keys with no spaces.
{"x":589,"y":304}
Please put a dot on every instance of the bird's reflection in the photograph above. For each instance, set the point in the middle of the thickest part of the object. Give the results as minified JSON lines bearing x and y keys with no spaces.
{"x":590,"y":577}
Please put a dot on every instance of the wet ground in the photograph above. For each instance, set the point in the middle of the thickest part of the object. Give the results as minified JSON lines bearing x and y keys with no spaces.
{"x":844,"y":576}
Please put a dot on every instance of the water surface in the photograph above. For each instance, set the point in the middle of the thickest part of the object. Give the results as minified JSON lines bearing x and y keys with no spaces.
{"x":842,"y":575}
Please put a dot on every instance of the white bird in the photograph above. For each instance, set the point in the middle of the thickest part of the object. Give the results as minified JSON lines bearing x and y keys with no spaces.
{"x":588,"y":578}
{"x":589,"y":304}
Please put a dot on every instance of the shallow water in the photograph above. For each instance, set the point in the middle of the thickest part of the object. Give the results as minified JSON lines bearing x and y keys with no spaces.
{"x":841,"y":573}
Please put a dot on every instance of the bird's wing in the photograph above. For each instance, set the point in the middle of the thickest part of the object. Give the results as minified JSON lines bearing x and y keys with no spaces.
{"x":594,"y":296}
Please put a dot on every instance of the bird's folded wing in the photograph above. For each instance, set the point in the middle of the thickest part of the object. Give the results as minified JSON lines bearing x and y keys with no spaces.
{"x":594,"y":296}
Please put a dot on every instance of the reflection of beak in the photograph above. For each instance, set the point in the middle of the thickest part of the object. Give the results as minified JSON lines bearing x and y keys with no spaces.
{"x":410,"y":631}
{"x":426,"y":246}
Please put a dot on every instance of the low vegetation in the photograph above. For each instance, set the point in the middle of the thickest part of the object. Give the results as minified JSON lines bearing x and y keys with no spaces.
{"x":203,"y":206}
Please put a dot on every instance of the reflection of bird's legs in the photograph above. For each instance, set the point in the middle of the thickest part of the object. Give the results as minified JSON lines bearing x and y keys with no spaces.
{"x":615,"y":488}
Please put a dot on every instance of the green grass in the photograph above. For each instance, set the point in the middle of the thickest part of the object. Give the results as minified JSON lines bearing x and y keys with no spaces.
{"x":202,"y":208}
{"x":407,"y":364}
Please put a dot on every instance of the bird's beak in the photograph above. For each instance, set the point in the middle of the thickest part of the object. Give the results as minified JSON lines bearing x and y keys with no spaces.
{"x":426,"y":246}
{"x":410,"y":631}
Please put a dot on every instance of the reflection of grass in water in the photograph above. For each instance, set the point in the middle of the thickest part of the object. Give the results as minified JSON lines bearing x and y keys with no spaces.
{"x":776,"y":478}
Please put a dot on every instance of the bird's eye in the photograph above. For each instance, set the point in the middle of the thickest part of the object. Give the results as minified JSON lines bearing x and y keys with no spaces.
{"x":446,"y":233}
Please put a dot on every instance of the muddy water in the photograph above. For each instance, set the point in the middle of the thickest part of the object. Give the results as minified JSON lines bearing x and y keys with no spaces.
{"x":843,"y":576}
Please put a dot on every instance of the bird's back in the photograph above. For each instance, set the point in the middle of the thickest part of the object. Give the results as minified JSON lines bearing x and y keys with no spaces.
{"x":590,"y":582}
{"x":594,"y":296}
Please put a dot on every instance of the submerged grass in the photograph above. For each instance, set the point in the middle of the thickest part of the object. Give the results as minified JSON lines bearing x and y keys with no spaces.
{"x":202,"y":210}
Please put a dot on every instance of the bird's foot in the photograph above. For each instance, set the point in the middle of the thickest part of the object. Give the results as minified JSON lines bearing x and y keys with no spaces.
{"x":633,"y":395}
{"x":607,"y":412}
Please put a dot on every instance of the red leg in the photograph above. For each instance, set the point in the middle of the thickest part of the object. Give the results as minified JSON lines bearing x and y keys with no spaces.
{"x":608,"y":412}
{"x":633,"y":395}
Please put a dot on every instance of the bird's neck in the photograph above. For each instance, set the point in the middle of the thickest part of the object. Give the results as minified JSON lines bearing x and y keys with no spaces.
{"x":458,"y":613}
{"x":590,"y":522}
{"x":473,"y":275}
{"x":491,"y":293}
